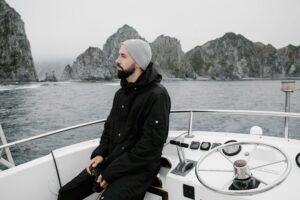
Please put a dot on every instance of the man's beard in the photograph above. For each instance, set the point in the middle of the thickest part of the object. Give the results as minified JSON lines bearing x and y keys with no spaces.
{"x":122,"y":74}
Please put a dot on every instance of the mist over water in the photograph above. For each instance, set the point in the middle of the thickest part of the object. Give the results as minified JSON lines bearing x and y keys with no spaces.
{"x":31,"y":109}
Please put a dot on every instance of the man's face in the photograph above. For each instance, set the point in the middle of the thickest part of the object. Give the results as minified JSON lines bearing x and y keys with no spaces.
{"x":125,"y":64}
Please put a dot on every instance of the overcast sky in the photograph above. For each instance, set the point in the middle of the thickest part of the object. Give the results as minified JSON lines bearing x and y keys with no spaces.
{"x":65,"y":28}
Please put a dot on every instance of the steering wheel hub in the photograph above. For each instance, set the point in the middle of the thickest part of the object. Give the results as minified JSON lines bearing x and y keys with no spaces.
{"x":241,"y":169}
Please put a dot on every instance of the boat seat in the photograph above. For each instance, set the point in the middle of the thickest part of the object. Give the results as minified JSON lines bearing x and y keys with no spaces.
{"x":156,"y":186}
{"x":159,"y":192}
{"x":156,"y":189}
{"x":166,"y":163}
{"x":156,"y":182}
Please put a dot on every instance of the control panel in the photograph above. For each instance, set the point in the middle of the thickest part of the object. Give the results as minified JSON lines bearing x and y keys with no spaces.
{"x":203,"y":146}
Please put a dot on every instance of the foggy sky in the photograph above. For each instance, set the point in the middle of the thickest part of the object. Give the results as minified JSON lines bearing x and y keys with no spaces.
{"x":59,"y":29}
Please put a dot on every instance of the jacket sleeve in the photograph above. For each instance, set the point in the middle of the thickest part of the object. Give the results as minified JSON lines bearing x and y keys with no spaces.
{"x":102,"y":149}
{"x":149,"y":147}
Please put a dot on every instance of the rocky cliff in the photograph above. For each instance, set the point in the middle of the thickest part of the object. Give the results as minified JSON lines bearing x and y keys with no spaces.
{"x":113,"y":43}
{"x":50,"y":77}
{"x":169,"y":58}
{"x":289,"y":59}
{"x":235,"y":57}
{"x":269,"y":66}
{"x":90,"y":65}
{"x":16,"y":63}
{"x":230,"y":57}
{"x":67,"y":73}
{"x":95,"y":64}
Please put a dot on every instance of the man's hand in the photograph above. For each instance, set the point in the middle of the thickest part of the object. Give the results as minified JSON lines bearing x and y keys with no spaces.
{"x":102,"y":182}
{"x":93,"y":163}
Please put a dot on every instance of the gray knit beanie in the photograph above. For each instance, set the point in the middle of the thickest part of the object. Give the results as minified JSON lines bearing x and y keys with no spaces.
{"x":140,"y":51}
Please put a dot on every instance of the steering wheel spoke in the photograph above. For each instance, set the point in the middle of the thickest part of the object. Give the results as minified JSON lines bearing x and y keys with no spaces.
{"x":269,"y":164}
{"x":267,"y":171}
{"x":265,"y":183}
{"x":215,"y":170}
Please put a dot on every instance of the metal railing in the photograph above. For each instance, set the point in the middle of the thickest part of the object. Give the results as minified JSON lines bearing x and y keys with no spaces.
{"x":9,"y":163}
{"x":189,"y":133}
{"x":51,"y":133}
{"x":240,"y":112}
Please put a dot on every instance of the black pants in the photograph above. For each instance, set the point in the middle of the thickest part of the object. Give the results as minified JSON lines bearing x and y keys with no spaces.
{"x":78,"y":188}
{"x":129,"y":187}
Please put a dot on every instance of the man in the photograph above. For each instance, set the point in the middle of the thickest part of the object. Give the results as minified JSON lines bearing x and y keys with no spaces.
{"x":129,"y":153}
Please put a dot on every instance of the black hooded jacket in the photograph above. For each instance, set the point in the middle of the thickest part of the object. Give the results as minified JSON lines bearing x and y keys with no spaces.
{"x":136,"y":128}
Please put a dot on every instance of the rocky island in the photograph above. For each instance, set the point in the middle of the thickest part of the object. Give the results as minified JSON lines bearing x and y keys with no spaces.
{"x":230,"y":57}
{"x":16,"y":62}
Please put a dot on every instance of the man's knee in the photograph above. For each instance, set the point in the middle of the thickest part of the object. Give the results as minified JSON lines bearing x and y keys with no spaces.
{"x":78,"y":188}
{"x":62,"y":194}
{"x":119,"y":194}
{"x":66,"y":193}
{"x":74,"y":193}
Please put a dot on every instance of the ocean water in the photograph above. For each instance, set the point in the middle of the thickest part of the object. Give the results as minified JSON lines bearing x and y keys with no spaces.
{"x":31,"y":109}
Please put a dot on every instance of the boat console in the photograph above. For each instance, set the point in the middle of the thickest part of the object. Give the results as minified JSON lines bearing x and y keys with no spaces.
{"x":215,"y":166}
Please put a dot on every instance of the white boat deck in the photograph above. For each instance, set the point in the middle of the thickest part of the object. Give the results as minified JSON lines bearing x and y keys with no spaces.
{"x":38,"y":179}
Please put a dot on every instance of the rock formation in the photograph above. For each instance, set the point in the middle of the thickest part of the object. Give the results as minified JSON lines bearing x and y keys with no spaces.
{"x":235,"y":57}
{"x":113,"y":43}
{"x":16,"y":63}
{"x":169,"y":58}
{"x":50,"y":77}
{"x":67,"y":73}
{"x":289,"y":59}
{"x":269,"y":65}
{"x":230,"y":57}
{"x":95,"y":64}
{"x":90,"y":65}
{"x":199,"y":61}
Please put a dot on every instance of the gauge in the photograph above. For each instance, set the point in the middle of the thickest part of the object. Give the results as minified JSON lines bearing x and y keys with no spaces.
{"x":194,"y":145}
{"x":298,"y":159}
{"x":215,"y":144}
{"x":233,"y":149}
{"x":205,"y":146}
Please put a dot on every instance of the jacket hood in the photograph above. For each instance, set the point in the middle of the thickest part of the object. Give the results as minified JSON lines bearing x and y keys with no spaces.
{"x":149,"y":76}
